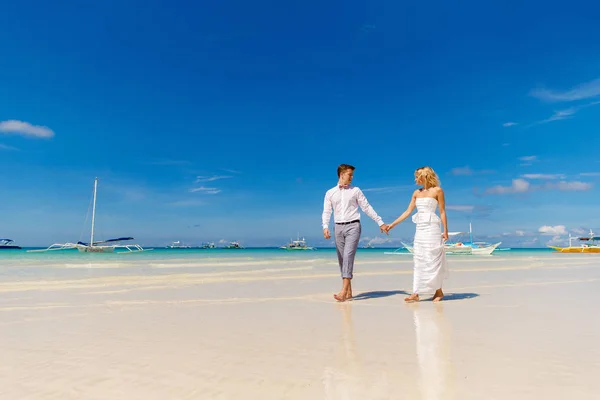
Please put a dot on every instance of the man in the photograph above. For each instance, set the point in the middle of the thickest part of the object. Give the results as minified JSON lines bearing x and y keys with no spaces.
{"x":344,"y":200}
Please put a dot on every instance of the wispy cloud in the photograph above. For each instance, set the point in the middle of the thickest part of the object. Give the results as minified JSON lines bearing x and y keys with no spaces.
{"x":522,"y":186}
{"x":25,"y":129}
{"x":205,"y":190}
{"x":527,"y":160}
{"x":461,"y":208}
{"x":388,"y":189}
{"x":211,"y":178}
{"x":170,"y":162}
{"x":7,"y":147}
{"x":543,"y":176}
{"x":517,"y":186}
{"x":231,"y":171}
{"x":187,"y":203}
{"x":589,"y":174}
{"x":466,"y":170}
{"x":582,"y":91}
{"x":509,"y":124}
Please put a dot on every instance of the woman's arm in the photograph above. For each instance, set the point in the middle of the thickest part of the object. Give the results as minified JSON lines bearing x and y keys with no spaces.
{"x":442,"y":205}
{"x":405,"y":214}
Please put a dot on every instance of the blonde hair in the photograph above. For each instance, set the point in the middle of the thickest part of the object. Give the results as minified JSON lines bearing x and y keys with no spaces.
{"x":429,"y":176}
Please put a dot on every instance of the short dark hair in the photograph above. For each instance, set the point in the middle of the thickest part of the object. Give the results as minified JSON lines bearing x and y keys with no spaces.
{"x":344,"y":167}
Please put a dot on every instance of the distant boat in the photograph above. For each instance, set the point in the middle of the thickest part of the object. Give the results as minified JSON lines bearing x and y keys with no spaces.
{"x":590,"y":245}
{"x":8,"y":244}
{"x":234,"y":245}
{"x":463,"y":248}
{"x":208,"y":245}
{"x":104,"y":246}
{"x":299,"y":244}
{"x":178,"y":245}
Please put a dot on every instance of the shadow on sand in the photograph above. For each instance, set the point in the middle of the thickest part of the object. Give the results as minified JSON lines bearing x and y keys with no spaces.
{"x":458,"y":296}
{"x":379,"y":293}
{"x":386,"y":293}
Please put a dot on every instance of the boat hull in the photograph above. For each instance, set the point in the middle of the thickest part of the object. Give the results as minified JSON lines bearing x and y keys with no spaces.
{"x":576,"y":249}
{"x":11,"y":247}
{"x":96,"y":249}
{"x":465,"y":250}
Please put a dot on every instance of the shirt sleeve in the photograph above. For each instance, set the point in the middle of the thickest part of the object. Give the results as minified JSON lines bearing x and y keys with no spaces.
{"x":367,"y":209}
{"x":327,"y":209}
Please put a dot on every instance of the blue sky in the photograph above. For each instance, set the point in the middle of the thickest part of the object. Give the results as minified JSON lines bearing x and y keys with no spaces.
{"x":227,"y":120}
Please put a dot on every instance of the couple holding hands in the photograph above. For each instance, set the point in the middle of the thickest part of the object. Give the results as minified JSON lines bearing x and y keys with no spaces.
{"x":428,"y":250}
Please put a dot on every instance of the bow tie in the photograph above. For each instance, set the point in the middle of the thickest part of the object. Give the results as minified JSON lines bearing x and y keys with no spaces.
{"x":344,"y":186}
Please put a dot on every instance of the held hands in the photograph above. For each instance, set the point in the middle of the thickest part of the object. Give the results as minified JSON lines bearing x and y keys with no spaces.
{"x":326,"y":233}
{"x":384,"y":228}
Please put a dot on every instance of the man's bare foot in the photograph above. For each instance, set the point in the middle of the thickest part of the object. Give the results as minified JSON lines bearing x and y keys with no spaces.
{"x":341,"y":297}
{"x":412,"y":298}
{"x":438,"y":296}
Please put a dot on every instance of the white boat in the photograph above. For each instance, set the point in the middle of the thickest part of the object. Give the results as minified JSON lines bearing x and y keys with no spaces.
{"x":104,"y":246}
{"x":208,"y":245}
{"x":234,"y":245}
{"x":461,"y":248}
{"x":298,"y":244}
{"x":178,"y":245}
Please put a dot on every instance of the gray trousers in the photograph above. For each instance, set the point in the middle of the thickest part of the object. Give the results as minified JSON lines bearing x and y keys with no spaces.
{"x":346,"y":244}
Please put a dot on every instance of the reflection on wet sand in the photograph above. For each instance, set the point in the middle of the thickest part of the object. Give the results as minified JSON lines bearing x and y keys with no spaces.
{"x":350,"y":379}
{"x":433,"y":340}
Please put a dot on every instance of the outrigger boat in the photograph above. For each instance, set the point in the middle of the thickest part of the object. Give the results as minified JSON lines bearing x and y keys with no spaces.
{"x":104,"y":246}
{"x":234,"y":245}
{"x":590,"y":245}
{"x":460,"y":248}
{"x":297,"y":245}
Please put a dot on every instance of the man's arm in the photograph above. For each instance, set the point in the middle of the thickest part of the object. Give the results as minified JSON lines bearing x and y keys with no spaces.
{"x":367,"y":209}
{"x":327,"y":209}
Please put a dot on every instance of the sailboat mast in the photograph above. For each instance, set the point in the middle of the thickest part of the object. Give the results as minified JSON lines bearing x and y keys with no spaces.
{"x":471,"y":232}
{"x":94,"y":212}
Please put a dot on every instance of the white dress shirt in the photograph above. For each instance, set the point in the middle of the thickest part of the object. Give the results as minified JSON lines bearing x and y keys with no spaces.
{"x":344,"y":203}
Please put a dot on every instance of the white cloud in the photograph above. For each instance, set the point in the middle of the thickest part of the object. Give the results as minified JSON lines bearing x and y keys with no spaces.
{"x":7,"y":147}
{"x":519,"y":233}
{"x":582,"y":91}
{"x":578,"y":231}
{"x":543,"y":176}
{"x":461,"y":208}
{"x":211,"y":178}
{"x":528,"y":158}
{"x":573,"y":186}
{"x":205,"y":190}
{"x":388,"y":189}
{"x":523,"y":186}
{"x":553,"y":230}
{"x":462,"y":171}
{"x":556,"y":241}
{"x":589,"y":174}
{"x":509,"y":124}
{"x":518,"y":186}
{"x":25,"y":129}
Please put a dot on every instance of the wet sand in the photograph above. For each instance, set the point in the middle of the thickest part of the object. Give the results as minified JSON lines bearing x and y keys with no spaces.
{"x":516,"y":327}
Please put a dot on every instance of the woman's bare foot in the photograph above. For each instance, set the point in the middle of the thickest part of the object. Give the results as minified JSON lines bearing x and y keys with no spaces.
{"x":438,"y":296}
{"x":412,"y":298}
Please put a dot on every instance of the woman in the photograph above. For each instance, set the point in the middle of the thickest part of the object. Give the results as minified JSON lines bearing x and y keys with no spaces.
{"x":428,"y":250}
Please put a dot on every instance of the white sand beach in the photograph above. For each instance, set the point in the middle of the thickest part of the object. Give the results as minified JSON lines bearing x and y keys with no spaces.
{"x":520,"y":327}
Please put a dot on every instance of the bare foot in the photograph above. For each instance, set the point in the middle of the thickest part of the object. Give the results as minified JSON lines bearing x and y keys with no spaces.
{"x":438,"y":296}
{"x":412,"y":298}
{"x":340,"y":297}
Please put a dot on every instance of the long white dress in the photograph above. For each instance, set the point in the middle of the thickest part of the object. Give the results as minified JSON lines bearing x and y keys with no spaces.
{"x":428,"y":250}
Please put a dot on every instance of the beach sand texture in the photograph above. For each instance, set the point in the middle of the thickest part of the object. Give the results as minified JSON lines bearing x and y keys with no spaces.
{"x":509,"y":327}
